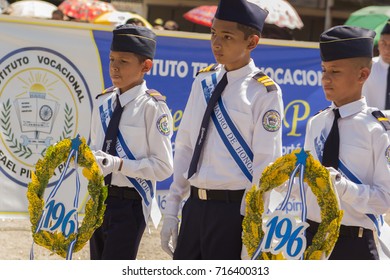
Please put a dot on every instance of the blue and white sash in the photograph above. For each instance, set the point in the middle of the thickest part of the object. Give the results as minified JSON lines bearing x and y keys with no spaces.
{"x":377,"y":220}
{"x":231,"y":137}
{"x":143,"y":187}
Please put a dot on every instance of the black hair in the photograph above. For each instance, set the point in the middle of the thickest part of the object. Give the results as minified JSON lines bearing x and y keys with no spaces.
{"x":248,"y":31}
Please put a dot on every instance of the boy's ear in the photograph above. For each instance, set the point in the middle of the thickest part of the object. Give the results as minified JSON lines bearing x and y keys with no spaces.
{"x":253,"y":41}
{"x":148,"y":63}
{"x":364,"y":73}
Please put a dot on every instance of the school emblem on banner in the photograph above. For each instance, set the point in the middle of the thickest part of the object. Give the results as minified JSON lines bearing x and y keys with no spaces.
{"x":44,"y":98}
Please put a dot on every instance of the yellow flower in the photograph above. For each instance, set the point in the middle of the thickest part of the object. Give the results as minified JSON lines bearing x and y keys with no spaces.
{"x":322,"y":183}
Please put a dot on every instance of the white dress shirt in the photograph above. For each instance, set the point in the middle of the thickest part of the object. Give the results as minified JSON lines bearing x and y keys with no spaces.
{"x":374,"y":89}
{"x":365,"y":160}
{"x":247,"y":102}
{"x":139,"y":126}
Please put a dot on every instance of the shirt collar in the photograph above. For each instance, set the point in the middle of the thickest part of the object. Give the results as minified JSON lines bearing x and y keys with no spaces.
{"x":241,"y":72}
{"x":351,"y":108}
{"x":132,"y":93}
{"x":382,"y":63}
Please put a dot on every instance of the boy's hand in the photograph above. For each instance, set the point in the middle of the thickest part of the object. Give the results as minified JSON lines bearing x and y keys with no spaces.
{"x":340,"y":183}
{"x":107,"y":162}
{"x":169,"y":232}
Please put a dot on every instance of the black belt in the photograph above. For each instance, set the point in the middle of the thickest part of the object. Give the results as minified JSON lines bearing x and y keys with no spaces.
{"x":123,"y":192}
{"x":223,"y":195}
{"x":348,"y":231}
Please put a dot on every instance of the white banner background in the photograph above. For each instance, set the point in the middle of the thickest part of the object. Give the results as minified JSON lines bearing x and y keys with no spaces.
{"x":49,"y":75}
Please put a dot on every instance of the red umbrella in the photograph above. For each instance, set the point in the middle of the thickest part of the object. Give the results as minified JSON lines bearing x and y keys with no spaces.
{"x":202,"y":15}
{"x":85,"y":10}
{"x":281,"y":13}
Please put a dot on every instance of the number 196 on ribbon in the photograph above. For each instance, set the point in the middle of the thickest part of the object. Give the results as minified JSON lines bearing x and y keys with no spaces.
{"x":283,"y":234}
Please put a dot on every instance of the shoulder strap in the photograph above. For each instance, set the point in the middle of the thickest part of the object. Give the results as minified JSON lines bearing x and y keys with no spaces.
{"x":156,"y":95}
{"x":209,"y":68}
{"x":266,"y":81}
{"x":382,"y":119}
{"x":107,"y":90}
{"x":322,"y":110}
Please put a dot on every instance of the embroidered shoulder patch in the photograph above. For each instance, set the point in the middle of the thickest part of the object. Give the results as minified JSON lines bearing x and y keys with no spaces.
{"x":382,"y":119}
{"x":266,"y":81}
{"x":209,"y":68}
{"x":163,"y":125}
{"x":107,"y":90}
{"x":387,"y":155}
{"x":271,"y":121}
{"x":156,"y":95}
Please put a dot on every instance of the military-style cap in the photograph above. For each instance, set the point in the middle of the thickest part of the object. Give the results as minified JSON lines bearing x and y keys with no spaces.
{"x":386,"y":28}
{"x":343,"y":41}
{"x":136,"y":39}
{"x":243,"y":12}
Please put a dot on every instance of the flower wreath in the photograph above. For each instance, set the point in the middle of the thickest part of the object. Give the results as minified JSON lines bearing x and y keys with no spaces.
{"x":56,"y":154}
{"x":318,"y":179}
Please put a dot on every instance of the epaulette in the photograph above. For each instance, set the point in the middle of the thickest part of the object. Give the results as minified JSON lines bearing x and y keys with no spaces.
{"x":266,"y":81}
{"x":107,"y":90}
{"x":382,"y":119}
{"x":320,"y":111}
{"x":156,"y":95}
{"x":209,"y":68}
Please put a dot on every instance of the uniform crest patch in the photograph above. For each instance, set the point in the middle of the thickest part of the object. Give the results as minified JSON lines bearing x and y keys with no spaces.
{"x":163,"y":125}
{"x":271,"y":120}
{"x":387,"y":155}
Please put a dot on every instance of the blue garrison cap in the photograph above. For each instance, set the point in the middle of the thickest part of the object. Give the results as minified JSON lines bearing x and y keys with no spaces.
{"x":343,"y":41}
{"x":243,"y":12}
{"x":386,"y":28}
{"x":136,"y":39}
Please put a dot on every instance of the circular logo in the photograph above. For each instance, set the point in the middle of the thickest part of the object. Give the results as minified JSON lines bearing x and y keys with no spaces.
{"x":45,"y":113}
{"x":271,"y":120}
{"x":42,"y":97}
{"x":387,"y":155}
{"x":163,"y":125}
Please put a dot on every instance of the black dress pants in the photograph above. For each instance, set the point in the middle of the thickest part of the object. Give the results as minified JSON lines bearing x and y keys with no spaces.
{"x":349,"y":247}
{"x":210,"y":230}
{"x":120,"y":234}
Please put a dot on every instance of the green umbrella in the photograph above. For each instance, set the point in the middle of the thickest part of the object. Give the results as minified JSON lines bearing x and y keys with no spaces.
{"x":371,"y":17}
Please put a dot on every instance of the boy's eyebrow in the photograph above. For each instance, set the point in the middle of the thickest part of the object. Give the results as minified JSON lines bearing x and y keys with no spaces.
{"x":224,"y":31}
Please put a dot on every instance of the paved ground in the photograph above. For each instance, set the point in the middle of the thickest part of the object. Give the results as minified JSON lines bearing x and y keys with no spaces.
{"x":16,"y":241}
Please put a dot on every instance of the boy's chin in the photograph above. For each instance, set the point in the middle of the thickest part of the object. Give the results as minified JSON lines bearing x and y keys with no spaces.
{"x":219,"y":59}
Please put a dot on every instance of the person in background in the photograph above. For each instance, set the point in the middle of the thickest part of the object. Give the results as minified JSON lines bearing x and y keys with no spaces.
{"x":131,"y":134}
{"x":171,"y":25}
{"x":135,"y":21}
{"x":352,"y":140}
{"x":57,"y":15}
{"x":240,"y":133}
{"x":377,"y":87}
{"x":158,"y":24}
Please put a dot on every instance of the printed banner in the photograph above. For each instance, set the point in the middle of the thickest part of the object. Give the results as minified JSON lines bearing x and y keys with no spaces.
{"x":50,"y":73}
